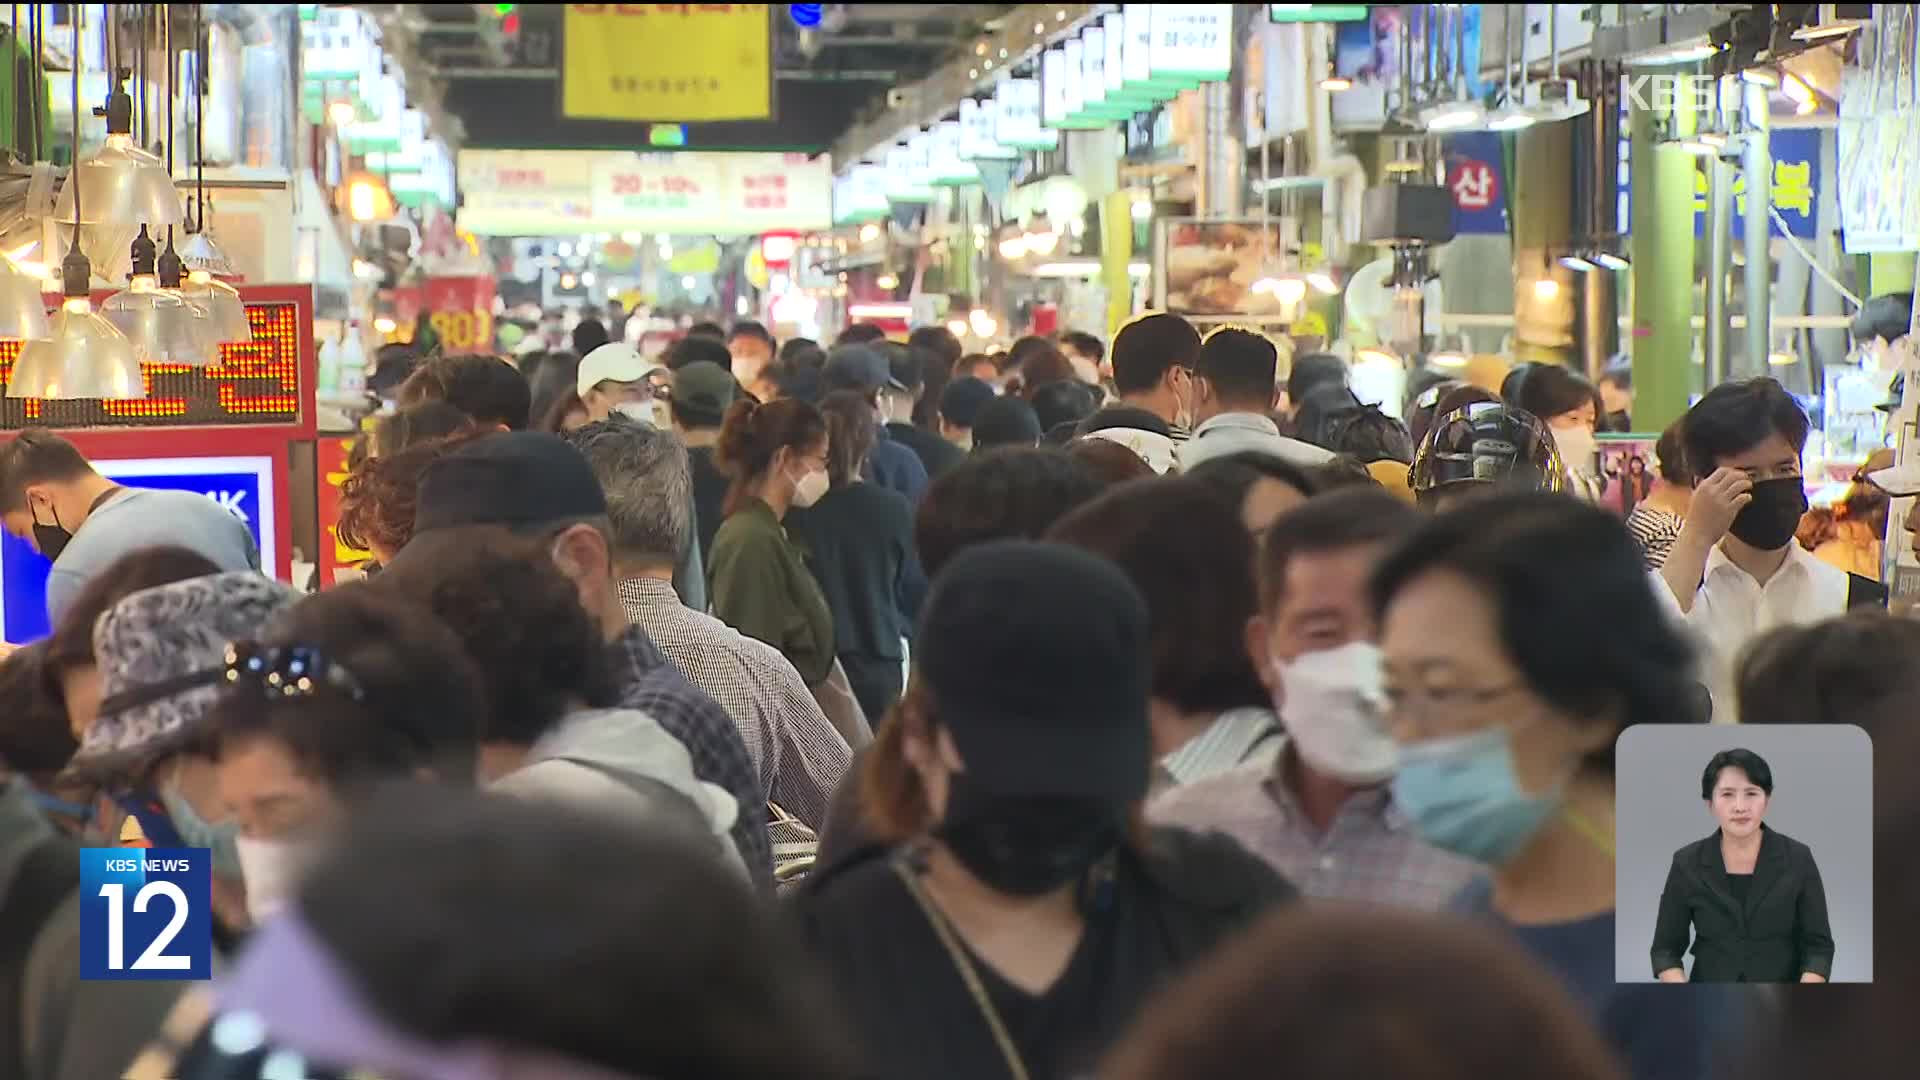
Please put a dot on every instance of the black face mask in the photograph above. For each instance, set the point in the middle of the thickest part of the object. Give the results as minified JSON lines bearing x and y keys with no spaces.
{"x":1770,"y":520}
{"x":1026,"y":846}
{"x":51,"y":539}
{"x":1618,"y":421}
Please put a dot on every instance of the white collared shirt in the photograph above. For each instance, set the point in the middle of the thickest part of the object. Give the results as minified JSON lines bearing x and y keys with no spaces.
{"x":1732,"y":609}
{"x":1240,"y":432}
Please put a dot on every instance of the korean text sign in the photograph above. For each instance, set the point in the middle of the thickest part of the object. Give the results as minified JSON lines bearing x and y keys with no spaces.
{"x":668,"y":62}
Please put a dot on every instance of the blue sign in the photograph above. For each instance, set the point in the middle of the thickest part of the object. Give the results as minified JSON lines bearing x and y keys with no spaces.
{"x":1476,"y":177}
{"x":146,"y":913}
{"x":244,"y":485}
{"x":1796,"y":185}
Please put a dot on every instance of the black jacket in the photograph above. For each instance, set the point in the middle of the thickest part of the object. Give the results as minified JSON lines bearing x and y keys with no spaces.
{"x":1778,"y":934}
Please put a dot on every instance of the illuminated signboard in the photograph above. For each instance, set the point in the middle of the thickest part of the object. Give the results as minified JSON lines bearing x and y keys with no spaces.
{"x":243,"y":485}
{"x":256,"y":383}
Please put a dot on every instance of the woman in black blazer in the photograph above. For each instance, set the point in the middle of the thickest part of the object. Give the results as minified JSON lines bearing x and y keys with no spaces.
{"x":1751,"y":896}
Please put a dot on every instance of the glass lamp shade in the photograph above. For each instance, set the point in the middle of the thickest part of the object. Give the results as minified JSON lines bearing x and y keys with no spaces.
{"x":23,"y":308}
{"x":121,"y":184}
{"x":225,"y":312}
{"x":86,"y":357}
{"x":199,"y":252}
{"x":164,"y":326}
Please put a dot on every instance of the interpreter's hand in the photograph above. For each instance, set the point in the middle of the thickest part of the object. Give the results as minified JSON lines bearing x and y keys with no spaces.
{"x":1810,"y":977}
{"x":1673,"y":975}
{"x":1717,"y":500}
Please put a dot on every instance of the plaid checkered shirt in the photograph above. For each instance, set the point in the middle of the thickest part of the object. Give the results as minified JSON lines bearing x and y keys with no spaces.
{"x":798,"y":753}
{"x":1369,"y":853}
{"x":649,"y":683}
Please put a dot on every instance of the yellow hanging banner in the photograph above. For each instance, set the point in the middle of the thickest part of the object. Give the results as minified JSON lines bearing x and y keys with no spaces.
{"x":668,"y":62}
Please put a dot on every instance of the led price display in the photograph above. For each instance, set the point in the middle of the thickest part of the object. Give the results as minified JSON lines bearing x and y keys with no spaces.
{"x":255,"y":383}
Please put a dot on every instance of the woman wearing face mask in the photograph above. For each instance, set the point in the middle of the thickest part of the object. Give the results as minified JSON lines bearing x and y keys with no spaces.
{"x":1507,"y":733}
{"x":1024,"y":913}
{"x":775,"y":457}
{"x":393,"y":696}
{"x":1570,"y":407}
{"x":162,"y":660}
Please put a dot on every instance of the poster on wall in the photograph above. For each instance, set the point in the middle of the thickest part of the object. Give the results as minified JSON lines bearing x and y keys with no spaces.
{"x":703,"y":62}
{"x":1208,"y":268}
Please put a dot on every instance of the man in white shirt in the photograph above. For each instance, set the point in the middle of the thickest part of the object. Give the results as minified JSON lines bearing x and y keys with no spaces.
{"x":1233,"y":397}
{"x":1736,"y":570}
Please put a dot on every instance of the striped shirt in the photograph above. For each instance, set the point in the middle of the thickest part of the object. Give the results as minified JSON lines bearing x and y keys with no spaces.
{"x":796,"y":751}
{"x":1369,"y":853}
{"x":1655,"y":531}
{"x":1237,"y":737}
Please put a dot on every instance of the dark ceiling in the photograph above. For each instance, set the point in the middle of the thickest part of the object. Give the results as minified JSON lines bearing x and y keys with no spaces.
{"x":505,"y":89}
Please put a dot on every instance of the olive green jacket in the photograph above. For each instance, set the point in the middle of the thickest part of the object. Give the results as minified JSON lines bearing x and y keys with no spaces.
{"x":760,"y":585}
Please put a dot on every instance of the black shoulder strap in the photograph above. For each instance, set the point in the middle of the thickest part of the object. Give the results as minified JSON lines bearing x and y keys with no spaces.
{"x":48,"y":875}
{"x":1865,"y":592}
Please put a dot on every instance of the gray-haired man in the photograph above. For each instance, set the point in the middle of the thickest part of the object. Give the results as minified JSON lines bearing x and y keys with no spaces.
{"x":644,"y":471}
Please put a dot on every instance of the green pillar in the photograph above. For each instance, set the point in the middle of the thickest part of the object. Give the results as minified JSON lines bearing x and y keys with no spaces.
{"x":1542,"y":230}
{"x":1889,"y":272}
{"x":1661,"y":183}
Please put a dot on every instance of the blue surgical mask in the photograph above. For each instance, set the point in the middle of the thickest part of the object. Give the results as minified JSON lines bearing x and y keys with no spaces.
{"x":196,"y":831}
{"x":1464,"y":797}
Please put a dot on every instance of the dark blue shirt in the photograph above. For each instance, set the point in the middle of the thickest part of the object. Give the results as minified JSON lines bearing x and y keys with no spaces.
{"x":895,"y":467}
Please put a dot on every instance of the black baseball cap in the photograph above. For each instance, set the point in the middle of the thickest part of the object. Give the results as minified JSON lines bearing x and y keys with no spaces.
{"x":703,"y":389}
{"x":521,"y":480}
{"x":963,"y":399}
{"x":1006,"y":421}
{"x":858,"y":367}
{"x":1038,"y":659}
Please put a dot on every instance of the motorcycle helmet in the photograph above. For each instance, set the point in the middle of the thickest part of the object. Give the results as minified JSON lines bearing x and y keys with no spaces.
{"x":1495,"y":447}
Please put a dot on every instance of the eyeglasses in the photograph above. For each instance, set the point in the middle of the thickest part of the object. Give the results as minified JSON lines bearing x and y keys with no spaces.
{"x":1442,"y":708}
{"x":288,"y":671}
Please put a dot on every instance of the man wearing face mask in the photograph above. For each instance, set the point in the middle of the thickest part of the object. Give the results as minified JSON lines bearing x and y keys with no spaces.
{"x":864,"y":369}
{"x":1322,"y":814}
{"x":616,"y":379}
{"x":1153,"y":360}
{"x":51,"y":498}
{"x":1736,"y":571}
{"x":1234,"y":401}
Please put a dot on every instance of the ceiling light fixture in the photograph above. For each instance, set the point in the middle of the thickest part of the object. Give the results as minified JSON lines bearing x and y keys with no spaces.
{"x":1336,"y":83}
{"x":1575,"y":263}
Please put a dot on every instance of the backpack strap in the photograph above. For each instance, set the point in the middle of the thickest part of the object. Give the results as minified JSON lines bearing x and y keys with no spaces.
{"x":48,"y":876}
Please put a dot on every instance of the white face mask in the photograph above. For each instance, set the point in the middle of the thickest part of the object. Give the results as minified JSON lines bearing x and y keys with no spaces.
{"x":271,"y":870}
{"x":1084,"y":369}
{"x":1332,"y":706}
{"x":647,"y":412}
{"x":810,"y":488}
{"x":1577,"y":448}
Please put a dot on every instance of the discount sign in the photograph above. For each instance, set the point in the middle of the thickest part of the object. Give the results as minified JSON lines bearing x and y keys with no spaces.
{"x":460,"y":310}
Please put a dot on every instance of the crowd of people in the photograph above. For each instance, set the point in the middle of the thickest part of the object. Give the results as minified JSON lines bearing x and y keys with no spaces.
{"x":1143,"y":709}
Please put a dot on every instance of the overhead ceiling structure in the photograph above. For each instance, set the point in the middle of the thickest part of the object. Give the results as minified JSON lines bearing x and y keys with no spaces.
{"x":504,"y":88}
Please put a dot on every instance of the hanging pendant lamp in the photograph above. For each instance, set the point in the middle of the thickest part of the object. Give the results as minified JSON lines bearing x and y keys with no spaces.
{"x":23,"y":308}
{"x":205,"y":263}
{"x":162,"y":324}
{"x":120,"y":183}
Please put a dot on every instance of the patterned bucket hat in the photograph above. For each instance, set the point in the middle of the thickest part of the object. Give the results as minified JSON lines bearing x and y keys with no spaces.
{"x":162,"y":659}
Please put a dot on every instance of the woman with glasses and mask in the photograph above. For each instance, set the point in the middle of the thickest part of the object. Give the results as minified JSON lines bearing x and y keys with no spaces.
{"x":1507,"y":733}
{"x":350,"y":688}
{"x":1022,"y":913}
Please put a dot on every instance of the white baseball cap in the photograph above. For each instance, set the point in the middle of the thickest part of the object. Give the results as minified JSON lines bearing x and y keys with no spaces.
{"x":613,"y":362}
{"x":1899,"y":481}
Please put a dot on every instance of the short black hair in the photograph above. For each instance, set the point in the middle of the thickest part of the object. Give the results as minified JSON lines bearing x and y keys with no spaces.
{"x":1622,"y":656}
{"x":1735,"y":417}
{"x":1671,"y":451}
{"x":522,"y":624}
{"x":940,"y":341}
{"x":707,"y":328}
{"x":1240,"y":364}
{"x":1192,"y":560}
{"x":861,"y":333}
{"x":36,"y":456}
{"x":1549,"y":390}
{"x":752,"y":329}
{"x":1146,"y":348}
{"x":34,"y":734}
{"x":694,"y":348}
{"x":1312,"y":370}
{"x":588,"y":335}
{"x":1746,"y":761}
{"x":795,"y":346}
{"x":1009,"y":494}
{"x":1085,"y":344}
{"x":486,"y":388}
{"x":1342,"y":471}
{"x":1066,"y":401}
{"x":1006,"y":421}
{"x":1885,"y":317}
{"x":669,"y":960}
{"x":419,"y":707}
{"x":1335,"y":521}
{"x":1232,"y":476}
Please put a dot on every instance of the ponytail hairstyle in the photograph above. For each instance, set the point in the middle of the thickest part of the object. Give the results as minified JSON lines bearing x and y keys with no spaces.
{"x":851,"y":433}
{"x":752,"y":434}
